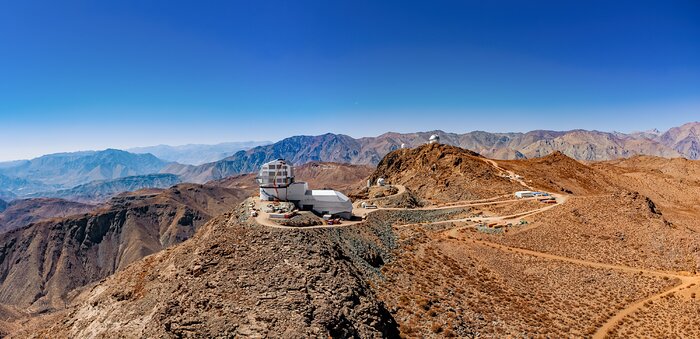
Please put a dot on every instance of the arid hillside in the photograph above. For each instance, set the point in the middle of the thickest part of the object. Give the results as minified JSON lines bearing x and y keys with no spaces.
{"x":672,"y":184}
{"x":42,"y":262}
{"x":442,"y":173}
{"x":237,"y":278}
{"x":609,"y":251}
{"x":557,"y":172}
{"x":21,"y":213}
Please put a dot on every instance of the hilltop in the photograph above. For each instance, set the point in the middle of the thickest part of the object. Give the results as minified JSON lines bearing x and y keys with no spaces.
{"x":559,"y":173}
{"x":443,"y":173}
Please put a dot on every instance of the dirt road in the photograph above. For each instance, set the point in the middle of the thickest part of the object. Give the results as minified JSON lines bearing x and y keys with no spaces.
{"x":687,"y":282}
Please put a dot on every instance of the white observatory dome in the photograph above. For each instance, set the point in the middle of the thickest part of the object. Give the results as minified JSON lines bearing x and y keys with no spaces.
{"x":434,"y":139}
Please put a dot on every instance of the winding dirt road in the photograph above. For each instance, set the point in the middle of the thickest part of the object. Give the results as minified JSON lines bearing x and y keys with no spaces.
{"x":688,"y":282}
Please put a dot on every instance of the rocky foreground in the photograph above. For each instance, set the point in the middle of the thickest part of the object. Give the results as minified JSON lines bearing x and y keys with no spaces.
{"x":237,"y":278}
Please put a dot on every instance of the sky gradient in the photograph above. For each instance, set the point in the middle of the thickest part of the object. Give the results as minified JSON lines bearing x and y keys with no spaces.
{"x":96,"y":74}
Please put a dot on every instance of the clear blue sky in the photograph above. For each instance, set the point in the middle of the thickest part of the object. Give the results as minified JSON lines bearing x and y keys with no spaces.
{"x":96,"y":74}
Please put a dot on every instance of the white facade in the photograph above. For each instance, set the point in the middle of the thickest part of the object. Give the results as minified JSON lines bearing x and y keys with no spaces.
{"x":276,"y":181}
{"x":524,"y":194}
{"x":434,"y":139}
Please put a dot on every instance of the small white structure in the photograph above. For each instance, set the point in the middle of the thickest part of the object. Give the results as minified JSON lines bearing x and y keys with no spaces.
{"x":524,"y":194}
{"x":403,"y":146}
{"x":434,"y":139}
{"x":276,"y":182}
{"x":381,"y":182}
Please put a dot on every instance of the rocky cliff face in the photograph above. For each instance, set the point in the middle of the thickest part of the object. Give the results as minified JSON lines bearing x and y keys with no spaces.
{"x":40,"y":263}
{"x":236,"y":278}
{"x":20,"y":213}
{"x":3,"y":205}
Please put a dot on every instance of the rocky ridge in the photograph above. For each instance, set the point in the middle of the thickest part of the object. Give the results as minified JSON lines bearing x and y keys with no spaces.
{"x":42,"y":262}
{"x":20,"y":213}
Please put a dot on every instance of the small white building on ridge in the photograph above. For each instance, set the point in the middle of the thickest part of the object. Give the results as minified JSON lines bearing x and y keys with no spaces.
{"x":524,"y":194}
{"x":276,"y":182}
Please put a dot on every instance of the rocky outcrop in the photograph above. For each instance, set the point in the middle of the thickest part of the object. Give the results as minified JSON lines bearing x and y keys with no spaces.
{"x":42,"y":262}
{"x":235,"y":279}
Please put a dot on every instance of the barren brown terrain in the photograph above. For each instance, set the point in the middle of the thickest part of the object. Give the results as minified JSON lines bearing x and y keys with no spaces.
{"x":21,"y":213}
{"x":615,"y":255}
{"x":40,"y":264}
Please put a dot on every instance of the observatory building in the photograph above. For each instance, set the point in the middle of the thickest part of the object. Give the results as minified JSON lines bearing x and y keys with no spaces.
{"x":434,"y":139}
{"x":276,"y":181}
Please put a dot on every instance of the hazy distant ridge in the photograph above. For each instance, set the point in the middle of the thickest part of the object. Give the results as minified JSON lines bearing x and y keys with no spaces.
{"x":197,"y":154}
{"x":682,"y":141}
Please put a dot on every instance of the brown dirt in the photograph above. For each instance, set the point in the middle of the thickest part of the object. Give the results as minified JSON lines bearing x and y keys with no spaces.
{"x":441,"y":173}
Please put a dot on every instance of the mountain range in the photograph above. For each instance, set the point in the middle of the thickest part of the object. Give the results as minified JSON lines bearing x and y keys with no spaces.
{"x":197,"y":154}
{"x":101,"y":190}
{"x":66,"y":170}
{"x":59,"y":175}
{"x":683,"y":141}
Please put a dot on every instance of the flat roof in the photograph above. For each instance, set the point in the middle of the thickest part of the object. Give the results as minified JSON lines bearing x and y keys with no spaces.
{"x":329,"y":195}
